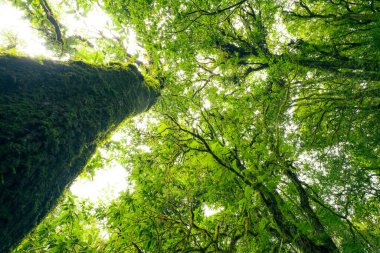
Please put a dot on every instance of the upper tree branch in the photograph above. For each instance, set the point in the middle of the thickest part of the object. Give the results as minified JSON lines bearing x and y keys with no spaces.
{"x":212,"y":153}
{"x":305,"y":205}
{"x":205,"y":12}
{"x":361,"y":18}
{"x":52,"y":20}
{"x":137,"y":247}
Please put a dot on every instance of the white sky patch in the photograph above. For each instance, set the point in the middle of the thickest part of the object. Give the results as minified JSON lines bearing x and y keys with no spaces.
{"x":309,"y":158}
{"x":279,"y":35}
{"x":206,"y":104}
{"x":144,"y":148}
{"x":92,"y":24}
{"x":106,"y":185}
{"x":132,"y":46}
{"x":237,"y":23}
{"x":143,"y":121}
{"x":121,"y":135}
{"x":288,"y":5}
{"x":195,"y":116}
{"x":95,"y":24}
{"x":211,"y":210}
{"x":257,"y":76}
{"x":14,"y":24}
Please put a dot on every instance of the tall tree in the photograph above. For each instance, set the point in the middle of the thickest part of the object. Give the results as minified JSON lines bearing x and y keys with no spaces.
{"x":52,"y":116}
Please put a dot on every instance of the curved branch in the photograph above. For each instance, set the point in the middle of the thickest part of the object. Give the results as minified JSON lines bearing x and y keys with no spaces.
{"x":305,"y":205}
{"x":52,"y":20}
{"x":204,"y":12}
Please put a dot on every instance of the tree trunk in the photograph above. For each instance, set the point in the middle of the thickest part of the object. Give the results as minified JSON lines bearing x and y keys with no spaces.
{"x":52,"y":115}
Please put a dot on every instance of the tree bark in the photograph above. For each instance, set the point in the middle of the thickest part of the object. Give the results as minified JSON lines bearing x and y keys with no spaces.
{"x":52,"y":116}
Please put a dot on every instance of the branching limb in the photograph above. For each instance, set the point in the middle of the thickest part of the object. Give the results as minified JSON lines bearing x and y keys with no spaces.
{"x":317,"y":199}
{"x":305,"y":205}
{"x":52,"y":20}
{"x":205,"y":12}
{"x":137,"y":247}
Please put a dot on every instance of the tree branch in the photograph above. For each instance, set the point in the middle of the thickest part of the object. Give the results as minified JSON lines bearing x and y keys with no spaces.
{"x":52,"y":20}
{"x":204,"y":12}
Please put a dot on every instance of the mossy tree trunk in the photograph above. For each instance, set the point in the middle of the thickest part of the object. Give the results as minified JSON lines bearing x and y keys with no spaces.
{"x":52,"y":115}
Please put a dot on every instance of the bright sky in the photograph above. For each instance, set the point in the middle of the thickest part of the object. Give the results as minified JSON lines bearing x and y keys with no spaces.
{"x":106,"y":185}
{"x":13,"y":25}
{"x":211,"y":210}
{"x":107,"y":182}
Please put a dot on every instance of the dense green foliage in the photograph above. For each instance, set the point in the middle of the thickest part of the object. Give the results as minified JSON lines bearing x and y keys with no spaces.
{"x":269,"y":115}
{"x":52,"y":116}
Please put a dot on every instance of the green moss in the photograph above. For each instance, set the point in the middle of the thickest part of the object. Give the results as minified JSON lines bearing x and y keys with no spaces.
{"x":52,"y":116}
{"x":152,"y":82}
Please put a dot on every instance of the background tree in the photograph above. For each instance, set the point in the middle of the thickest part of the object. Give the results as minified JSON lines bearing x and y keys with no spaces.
{"x":297,"y":105}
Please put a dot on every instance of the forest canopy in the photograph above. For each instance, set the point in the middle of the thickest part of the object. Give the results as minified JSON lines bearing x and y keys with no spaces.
{"x":268,"y":116}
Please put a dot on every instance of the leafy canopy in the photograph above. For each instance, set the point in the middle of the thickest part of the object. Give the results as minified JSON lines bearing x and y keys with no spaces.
{"x":269,"y":114}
